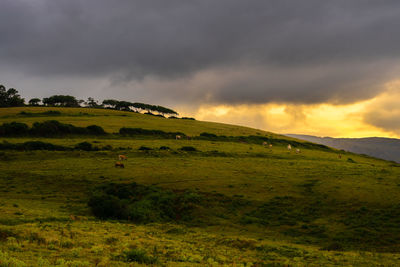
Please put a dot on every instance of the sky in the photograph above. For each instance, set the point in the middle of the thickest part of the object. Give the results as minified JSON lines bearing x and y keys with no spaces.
{"x":326,"y":68}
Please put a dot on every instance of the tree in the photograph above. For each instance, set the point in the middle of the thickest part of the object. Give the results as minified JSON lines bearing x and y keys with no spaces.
{"x":123,"y":105}
{"x":34,"y":102}
{"x":92,"y":103}
{"x":110,"y":103}
{"x":61,"y":100}
{"x":10,"y":97}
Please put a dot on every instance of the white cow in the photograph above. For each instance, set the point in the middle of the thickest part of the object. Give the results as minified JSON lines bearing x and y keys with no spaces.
{"x":297,"y":150}
{"x":289,"y":147}
{"x":178,"y":137}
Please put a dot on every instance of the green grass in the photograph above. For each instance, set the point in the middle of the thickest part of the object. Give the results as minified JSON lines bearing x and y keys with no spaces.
{"x":255,"y":205}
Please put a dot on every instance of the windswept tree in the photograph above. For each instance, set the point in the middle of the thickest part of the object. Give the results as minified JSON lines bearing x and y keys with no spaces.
{"x":124,"y":105}
{"x":110,"y":103}
{"x":61,"y":100}
{"x":10,"y":97}
{"x":34,"y":102}
{"x":92,"y":103}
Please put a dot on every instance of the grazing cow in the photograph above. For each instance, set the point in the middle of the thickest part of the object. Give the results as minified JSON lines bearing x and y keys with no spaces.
{"x":289,"y":147}
{"x":270,"y":145}
{"x":265,"y":143}
{"x":340,"y":156}
{"x":297,"y":150}
{"x":178,"y":137}
{"x":119,"y":164}
{"x":122,"y":157}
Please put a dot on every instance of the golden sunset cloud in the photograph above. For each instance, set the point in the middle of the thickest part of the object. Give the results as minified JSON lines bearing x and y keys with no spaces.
{"x":379,"y":116}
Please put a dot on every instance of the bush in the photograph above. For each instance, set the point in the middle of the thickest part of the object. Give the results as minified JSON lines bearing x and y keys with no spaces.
{"x":145,"y":148}
{"x":209,"y":135}
{"x":38,"y":145}
{"x":31,"y":145}
{"x":350,"y":160}
{"x":54,"y":128}
{"x":164,"y":148}
{"x":95,"y":130}
{"x":141,"y":204}
{"x":47,"y":128}
{"x":13,"y":129}
{"x":188,"y":148}
{"x":140,"y":131}
{"x":86,"y":146}
{"x":107,"y":206}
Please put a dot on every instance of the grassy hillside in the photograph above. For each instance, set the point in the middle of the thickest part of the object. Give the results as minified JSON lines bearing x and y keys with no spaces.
{"x":232,"y":203}
{"x":113,"y":120}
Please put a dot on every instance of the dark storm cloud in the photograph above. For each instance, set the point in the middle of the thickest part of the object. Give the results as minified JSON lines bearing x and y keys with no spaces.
{"x":283,"y":51}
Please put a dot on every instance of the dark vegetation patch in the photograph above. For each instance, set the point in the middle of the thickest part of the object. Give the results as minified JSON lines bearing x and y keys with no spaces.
{"x":40,"y":114}
{"x":145,"y":148}
{"x":86,"y":146}
{"x":208,"y":135}
{"x":32,"y":145}
{"x":142,"y":204}
{"x":39,"y":145}
{"x":143,"y":132}
{"x":48,"y":129}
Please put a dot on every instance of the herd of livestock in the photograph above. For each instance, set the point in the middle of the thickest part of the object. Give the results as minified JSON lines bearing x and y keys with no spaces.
{"x":119,"y":164}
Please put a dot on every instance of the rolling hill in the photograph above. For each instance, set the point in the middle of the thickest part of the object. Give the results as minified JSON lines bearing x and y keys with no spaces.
{"x":216,"y":197}
{"x":379,"y":147}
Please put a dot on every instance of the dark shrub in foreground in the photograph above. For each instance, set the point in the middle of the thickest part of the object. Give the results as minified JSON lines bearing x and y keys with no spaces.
{"x":141,"y":204}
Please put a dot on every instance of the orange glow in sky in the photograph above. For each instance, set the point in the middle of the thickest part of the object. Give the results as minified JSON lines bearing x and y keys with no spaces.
{"x":379,"y":116}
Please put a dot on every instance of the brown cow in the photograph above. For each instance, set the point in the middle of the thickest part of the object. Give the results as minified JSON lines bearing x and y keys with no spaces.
{"x":122,"y":157}
{"x":119,"y":164}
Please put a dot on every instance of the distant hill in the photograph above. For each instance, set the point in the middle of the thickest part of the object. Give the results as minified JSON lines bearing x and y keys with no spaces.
{"x":384,"y":148}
